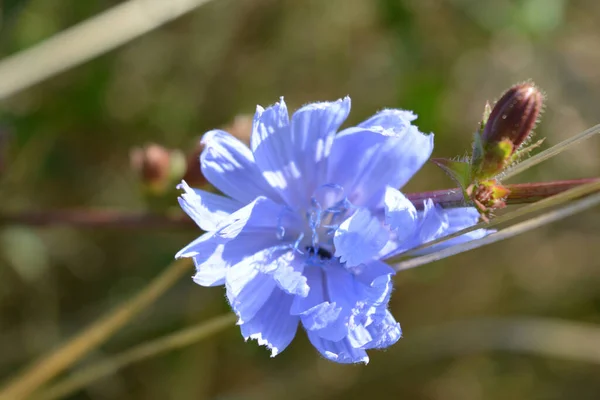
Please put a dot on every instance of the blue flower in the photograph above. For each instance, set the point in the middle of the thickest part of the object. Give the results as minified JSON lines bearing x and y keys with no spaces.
{"x":307,"y":218}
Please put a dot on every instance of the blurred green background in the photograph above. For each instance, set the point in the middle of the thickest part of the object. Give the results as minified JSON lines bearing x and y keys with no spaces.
{"x":67,"y":143}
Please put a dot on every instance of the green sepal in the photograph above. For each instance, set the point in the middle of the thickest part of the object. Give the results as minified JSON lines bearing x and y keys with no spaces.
{"x":477,"y":156}
{"x":520,"y":154}
{"x":487,"y":110}
{"x":496,"y":157}
{"x":459,"y":171}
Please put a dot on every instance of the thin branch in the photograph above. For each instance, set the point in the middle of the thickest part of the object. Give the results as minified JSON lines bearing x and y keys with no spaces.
{"x":523,"y":193}
{"x":97,"y":219}
{"x":185,"y":337}
{"x":53,"y":364}
{"x":541,"y":205}
{"x":87,"y":40}
{"x":551,"y":152}
{"x":522,"y":227}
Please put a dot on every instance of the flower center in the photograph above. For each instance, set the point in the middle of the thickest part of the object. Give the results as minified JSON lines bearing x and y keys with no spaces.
{"x":329,"y":208}
{"x":320,"y":253}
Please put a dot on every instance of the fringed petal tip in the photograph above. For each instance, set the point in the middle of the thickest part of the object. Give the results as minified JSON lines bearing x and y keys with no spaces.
{"x":323,"y":105}
{"x":345,"y":358}
{"x":264,"y":342}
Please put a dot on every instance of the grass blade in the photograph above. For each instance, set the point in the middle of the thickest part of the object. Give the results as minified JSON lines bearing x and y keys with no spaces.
{"x":541,"y":205}
{"x":87,"y":40}
{"x":185,"y":337}
{"x":56,"y":362}
{"x":551,"y":152}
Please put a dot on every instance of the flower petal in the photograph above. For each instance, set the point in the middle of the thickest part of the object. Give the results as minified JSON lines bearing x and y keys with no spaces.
{"x":205,"y":208}
{"x":384,"y":332}
{"x":289,"y":275}
{"x":247,"y":288}
{"x":206,"y":251}
{"x":261,"y":216}
{"x":389,"y":119}
{"x":229,"y":165}
{"x":268,"y":122}
{"x":240,"y":236}
{"x":359,"y":238}
{"x":340,"y":351}
{"x":340,"y":301}
{"x":435,"y":222}
{"x":273,"y":326}
{"x":361,"y":292}
{"x":365,"y":160}
{"x":292,"y":157}
{"x":458,"y":219}
{"x":315,"y":312}
{"x":400,"y":213}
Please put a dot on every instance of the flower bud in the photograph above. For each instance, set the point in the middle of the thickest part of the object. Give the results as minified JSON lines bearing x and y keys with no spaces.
{"x":156,"y":166}
{"x":240,"y":127}
{"x":193,"y":173}
{"x":513,"y":116}
{"x":509,"y":124}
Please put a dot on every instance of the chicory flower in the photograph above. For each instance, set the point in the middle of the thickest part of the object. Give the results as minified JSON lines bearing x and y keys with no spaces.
{"x":307,"y":219}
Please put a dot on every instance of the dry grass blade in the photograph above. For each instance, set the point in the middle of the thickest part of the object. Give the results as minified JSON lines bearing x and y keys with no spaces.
{"x":185,"y":337}
{"x":551,"y":152}
{"x":546,"y":337}
{"x":541,"y":205}
{"x":50,"y":366}
{"x":87,"y":40}
{"x":533,"y":223}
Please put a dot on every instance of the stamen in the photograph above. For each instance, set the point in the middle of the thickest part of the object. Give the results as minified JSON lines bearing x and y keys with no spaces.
{"x":329,"y":207}
{"x":297,"y":243}
{"x":321,"y":253}
{"x":280,"y":232}
{"x":280,"y":225}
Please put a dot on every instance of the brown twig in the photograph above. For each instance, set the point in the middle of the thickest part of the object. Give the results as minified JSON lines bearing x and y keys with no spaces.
{"x":97,"y":219}
{"x":520,"y":194}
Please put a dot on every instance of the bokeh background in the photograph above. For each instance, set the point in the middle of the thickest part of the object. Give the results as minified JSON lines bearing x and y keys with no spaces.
{"x":66,"y":143}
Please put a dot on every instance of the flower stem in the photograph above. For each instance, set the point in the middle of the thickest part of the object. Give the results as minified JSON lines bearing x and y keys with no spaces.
{"x":521,"y":193}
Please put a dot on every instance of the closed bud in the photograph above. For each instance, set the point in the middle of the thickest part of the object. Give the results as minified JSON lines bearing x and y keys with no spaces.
{"x":193,"y":173}
{"x":509,"y":124}
{"x":240,"y":127}
{"x":157,"y":166}
{"x":514,"y":116}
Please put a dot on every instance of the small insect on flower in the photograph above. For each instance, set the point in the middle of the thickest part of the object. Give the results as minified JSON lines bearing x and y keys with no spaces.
{"x":307,"y":219}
